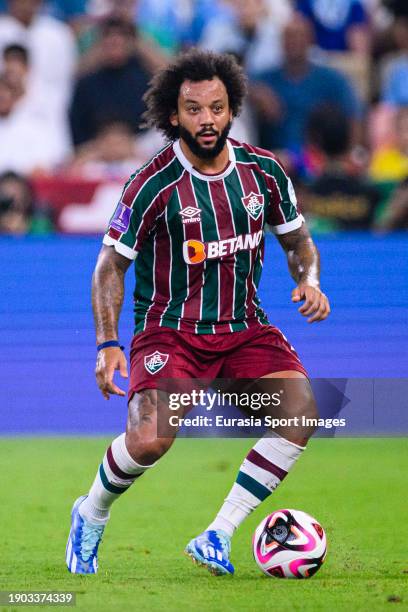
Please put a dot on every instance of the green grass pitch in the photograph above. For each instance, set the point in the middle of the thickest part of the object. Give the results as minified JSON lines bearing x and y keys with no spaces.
{"x":355,"y":488}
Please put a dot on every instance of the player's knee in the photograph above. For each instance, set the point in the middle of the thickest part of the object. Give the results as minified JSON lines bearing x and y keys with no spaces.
{"x":303,"y":414}
{"x":310,"y":411}
{"x":142,"y":410}
{"x":142,"y":441}
{"x":146,"y":449}
{"x":303,"y":404}
{"x":308,"y":415}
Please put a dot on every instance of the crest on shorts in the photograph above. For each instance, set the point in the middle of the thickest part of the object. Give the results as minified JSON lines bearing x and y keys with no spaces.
{"x":254,"y":204}
{"x":155,"y":362}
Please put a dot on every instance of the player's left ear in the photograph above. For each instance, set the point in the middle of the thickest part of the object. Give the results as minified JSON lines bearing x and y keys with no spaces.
{"x":174,"y":119}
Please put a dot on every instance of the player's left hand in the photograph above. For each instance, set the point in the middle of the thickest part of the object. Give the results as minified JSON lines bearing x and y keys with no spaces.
{"x":316,"y":302}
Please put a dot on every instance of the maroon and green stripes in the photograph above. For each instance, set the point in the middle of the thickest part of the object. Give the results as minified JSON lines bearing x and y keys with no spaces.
{"x":215,"y":294}
{"x":108,"y":485}
{"x":113,"y":478}
{"x":271,"y":171}
{"x":191,"y":309}
{"x":259,"y":475}
{"x":211,"y":289}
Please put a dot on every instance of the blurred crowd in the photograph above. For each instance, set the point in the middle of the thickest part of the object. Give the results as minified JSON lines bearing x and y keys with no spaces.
{"x":328,"y":92}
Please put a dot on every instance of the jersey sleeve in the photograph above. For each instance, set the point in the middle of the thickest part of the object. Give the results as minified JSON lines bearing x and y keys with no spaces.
{"x":282,"y":215}
{"x":133,"y":218}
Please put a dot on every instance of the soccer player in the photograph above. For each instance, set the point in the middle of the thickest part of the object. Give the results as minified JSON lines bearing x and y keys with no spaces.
{"x":192,"y":220}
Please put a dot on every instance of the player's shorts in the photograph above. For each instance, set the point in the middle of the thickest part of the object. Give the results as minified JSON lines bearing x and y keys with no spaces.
{"x":168,"y":353}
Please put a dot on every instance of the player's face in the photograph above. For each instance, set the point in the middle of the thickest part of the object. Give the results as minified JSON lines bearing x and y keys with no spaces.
{"x":203,"y":117}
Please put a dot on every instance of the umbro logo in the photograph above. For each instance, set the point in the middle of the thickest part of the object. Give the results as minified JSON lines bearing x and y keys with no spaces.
{"x":190,"y":214}
{"x":155,"y":362}
{"x":254,"y":204}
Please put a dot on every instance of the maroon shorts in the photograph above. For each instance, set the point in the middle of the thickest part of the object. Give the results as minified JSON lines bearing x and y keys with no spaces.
{"x":168,"y":353}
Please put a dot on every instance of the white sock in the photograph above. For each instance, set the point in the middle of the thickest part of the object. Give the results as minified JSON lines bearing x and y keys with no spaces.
{"x":263,"y":469}
{"x":116,"y":474}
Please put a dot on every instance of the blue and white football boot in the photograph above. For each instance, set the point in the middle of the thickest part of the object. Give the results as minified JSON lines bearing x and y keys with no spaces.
{"x":212,"y":549}
{"x":81,"y":554}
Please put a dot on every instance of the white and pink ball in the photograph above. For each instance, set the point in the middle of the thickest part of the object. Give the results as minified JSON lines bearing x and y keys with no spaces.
{"x":289,"y":544}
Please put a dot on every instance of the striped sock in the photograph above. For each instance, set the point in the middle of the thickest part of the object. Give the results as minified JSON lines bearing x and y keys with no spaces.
{"x":263,"y":469}
{"x":116,"y":474}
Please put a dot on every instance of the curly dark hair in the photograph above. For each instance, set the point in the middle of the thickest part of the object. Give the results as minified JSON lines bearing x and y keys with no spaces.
{"x":194,"y":65}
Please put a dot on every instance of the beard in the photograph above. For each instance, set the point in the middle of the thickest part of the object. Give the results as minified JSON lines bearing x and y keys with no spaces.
{"x":205,"y":152}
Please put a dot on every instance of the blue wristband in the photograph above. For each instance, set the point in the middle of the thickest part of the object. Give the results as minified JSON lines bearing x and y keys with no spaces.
{"x":108,"y":344}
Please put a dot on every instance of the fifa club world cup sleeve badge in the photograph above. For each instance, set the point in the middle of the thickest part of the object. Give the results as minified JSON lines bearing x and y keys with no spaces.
{"x":121,"y":218}
{"x":155,"y":362}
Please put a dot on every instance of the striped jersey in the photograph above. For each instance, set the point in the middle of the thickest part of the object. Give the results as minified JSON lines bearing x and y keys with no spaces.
{"x":198,"y":240}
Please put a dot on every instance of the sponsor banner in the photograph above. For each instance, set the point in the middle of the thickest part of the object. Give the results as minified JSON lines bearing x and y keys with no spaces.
{"x":195,"y":251}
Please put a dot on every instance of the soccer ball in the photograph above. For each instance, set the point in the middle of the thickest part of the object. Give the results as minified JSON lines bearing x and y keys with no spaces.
{"x":289,"y":544}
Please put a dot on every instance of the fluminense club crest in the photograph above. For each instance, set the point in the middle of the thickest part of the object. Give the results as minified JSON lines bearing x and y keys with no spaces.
{"x":155,"y":362}
{"x":254,"y":204}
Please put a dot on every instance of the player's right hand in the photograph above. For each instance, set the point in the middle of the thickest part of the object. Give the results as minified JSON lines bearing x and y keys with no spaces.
{"x":109,"y":360}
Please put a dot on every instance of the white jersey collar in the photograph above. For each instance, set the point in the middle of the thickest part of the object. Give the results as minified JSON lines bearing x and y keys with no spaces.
{"x":205,"y":177}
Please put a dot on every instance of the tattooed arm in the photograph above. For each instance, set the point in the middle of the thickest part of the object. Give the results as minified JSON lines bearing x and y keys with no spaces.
{"x":304,"y":265}
{"x":107,"y":298}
